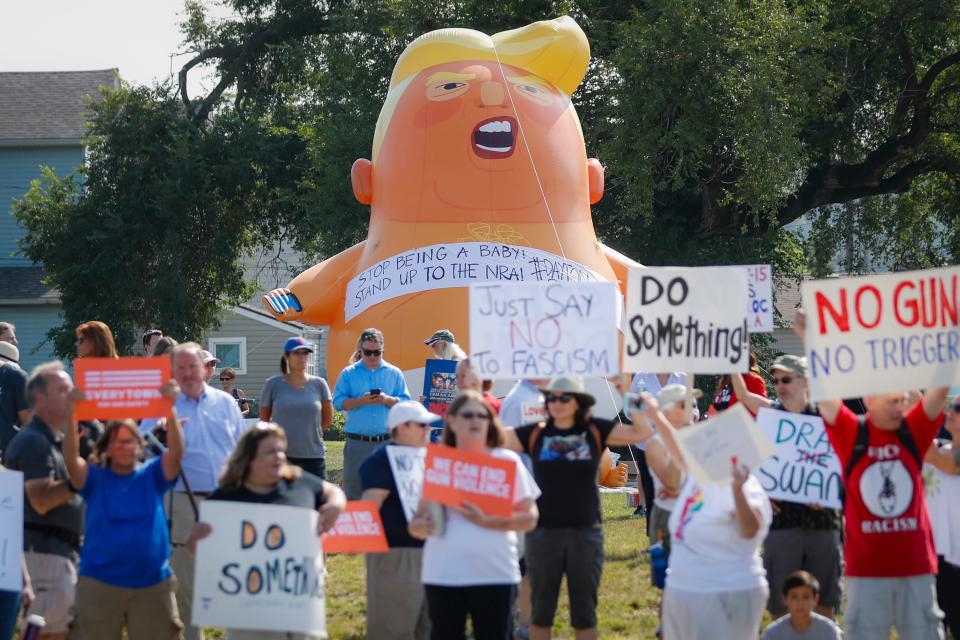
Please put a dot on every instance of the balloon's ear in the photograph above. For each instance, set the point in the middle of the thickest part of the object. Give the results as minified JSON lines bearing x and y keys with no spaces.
{"x":594,"y":172}
{"x":361,"y":176}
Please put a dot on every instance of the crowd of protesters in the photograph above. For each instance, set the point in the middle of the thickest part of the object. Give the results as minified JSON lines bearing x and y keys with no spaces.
{"x":111,"y":510}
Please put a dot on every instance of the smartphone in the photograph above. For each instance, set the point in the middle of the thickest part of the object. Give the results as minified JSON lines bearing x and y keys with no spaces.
{"x":632,"y":402}
{"x":374,"y":392}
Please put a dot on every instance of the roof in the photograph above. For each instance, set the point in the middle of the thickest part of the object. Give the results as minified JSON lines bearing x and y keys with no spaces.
{"x":25,"y":284}
{"x":46,"y":107}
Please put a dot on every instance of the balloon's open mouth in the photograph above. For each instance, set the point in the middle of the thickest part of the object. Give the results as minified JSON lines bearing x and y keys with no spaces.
{"x":494,"y":138}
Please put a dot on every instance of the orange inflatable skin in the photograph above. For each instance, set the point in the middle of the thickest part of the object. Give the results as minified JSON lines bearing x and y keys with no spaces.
{"x":472,"y":150}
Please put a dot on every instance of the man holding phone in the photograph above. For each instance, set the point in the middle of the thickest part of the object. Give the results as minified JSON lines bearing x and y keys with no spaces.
{"x":366,"y":390}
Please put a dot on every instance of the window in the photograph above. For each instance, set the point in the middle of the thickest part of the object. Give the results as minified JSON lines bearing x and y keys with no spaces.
{"x":232,"y":352}
{"x":312,"y":367}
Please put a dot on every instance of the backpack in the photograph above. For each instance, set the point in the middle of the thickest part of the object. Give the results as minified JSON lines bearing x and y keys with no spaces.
{"x":535,"y":436}
{"x":862,"y":442}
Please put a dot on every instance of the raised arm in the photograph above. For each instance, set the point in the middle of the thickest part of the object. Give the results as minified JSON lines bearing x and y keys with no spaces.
{"x":174,"y":454}
{"x":334,"y":502}
{"x":752,"y":401}
{"x":829,"y":409}
{"x":748,"y":519}
{"x":76,"y":466}
{"x":933,"y":401}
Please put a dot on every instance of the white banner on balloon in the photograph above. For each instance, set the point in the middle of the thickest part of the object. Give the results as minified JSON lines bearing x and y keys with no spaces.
{"x":529,"y":330}
{"x":457,"y":264}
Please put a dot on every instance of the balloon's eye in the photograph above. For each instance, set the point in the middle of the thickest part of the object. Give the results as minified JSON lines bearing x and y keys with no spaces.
{"x":450,"y":86}
{"x":446,"y":90}
{"x":529,"y":88}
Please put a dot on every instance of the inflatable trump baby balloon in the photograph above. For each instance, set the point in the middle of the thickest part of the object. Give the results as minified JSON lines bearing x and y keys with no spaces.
{"x":478,"y":173}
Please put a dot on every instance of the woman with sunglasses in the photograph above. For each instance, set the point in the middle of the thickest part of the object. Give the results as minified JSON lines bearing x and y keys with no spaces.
{"x":472,"y":567}
{"x":566,"y":451}
{"x":94,"y":340}
{"x":727,"y":395}
{"x":227,"y":377}
{"x":302,"y":405}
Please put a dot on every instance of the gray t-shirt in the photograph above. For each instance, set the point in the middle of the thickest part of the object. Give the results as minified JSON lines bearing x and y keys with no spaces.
{"x":821,"y":629}
{"x":298,"y":412}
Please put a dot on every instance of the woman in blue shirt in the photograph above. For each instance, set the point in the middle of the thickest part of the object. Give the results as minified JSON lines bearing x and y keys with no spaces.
{"x":125,"y":576}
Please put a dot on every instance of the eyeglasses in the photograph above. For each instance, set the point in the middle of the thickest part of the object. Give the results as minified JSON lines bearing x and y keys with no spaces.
{"x":123,"y":443}
{"x":372,"y":352}
{"x":783,"y":380}
{"x":226,"y":379}
{"x":956,"y":408}
{"x":470,"y":415}
{"x":563,"y":398}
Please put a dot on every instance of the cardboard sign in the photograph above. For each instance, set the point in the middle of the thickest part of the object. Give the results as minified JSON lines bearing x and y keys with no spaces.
{"x":804,"y":467}
{"x":11,"y":530}
{"x":456,"y":264}
{"x":439,"y":385}
{"x":260,"y":568}
{"x":452,"y":477}
{"x":122,"y":388}
{"x":760,"y":293}
{"x":407,"y":464}
{"x":532,"y":412}
{"x":535,"y":330}
{"x":709,"y":447}
{"x":687,"y":319}
{"x":882,"y":333}
{"x":358,"y":529}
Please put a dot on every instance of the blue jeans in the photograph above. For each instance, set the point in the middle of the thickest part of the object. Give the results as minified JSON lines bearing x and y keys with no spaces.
{"x":9,"y":608}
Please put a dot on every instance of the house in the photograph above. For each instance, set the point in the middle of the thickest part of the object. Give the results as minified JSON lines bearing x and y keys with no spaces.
{"x":42,"y":122}
{"x":787,"y":301}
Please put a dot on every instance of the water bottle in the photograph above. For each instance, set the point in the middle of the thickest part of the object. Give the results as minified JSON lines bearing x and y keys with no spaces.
{"x":658,"y":564}
{"x":34,"y":627}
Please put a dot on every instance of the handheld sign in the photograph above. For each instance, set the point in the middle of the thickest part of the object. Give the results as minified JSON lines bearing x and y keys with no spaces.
{"x":439,"y":385}
{"x":709,"y":447}
{"x":804,"y":467}
{"x":882,"y":333}
{"x":11,"y":530}
{"x":760,"y":292}
{"x":260,"y":568}
{"x":453,"y":477}
{"x":119,"y":388}
{"x":544,"y":330}
{"x":358,"y":529}
{"x":407,"y":465}
{"x":687,"y":319}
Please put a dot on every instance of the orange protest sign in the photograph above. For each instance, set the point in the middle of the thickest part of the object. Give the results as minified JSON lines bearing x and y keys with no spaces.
{"x":452,"y":477}
{"x":122,"y":388}
{"x":357,"y":530}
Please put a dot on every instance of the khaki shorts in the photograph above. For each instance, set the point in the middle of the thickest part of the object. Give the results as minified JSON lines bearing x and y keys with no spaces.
{"x":54,"y":580}
{"x":396,"y":599}
{"x":148,"y":613}
{"x":818,"y":551}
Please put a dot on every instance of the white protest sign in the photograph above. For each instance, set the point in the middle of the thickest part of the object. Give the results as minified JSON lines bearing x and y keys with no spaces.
{"x":760,"y":292}
{"x":882,"y":333}
{"x":709,"y":447}
{"x":687,"y":319}
{"x":407,"y":465}
{"x":804,"y":467}
{"x":456,"y":264}
{"x":532,"y":412}
{"x":534,"y":330}
{"x":11,"y":530}
{"x":260,"y":568}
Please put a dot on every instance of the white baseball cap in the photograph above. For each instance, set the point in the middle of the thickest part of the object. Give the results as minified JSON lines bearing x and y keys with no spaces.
{"x":409,"y":411}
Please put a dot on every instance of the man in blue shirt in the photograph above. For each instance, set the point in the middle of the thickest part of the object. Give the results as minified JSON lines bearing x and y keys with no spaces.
{"x":366,"y":390}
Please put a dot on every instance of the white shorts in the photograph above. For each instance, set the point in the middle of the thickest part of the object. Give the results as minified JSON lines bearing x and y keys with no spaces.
{"x":54,"y":580}
{"x":721,"y":615}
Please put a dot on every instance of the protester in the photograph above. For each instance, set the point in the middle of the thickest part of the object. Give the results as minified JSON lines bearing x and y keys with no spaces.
{"x":94,"y":340}
{"x":524,"y":404}
{"x":302,"y":405}
{"x":366,"y":390}
{"x":53,"y":512}
{"x":164,"y":346}
{"x":472,"y":566}
{"x":444,"y":346}
{"x":125,"y":576}
{"x":888,"y":543}
{"x":257,"y":472}
{"x":150,"y":338}
{"x":802,"y":537}
{"x":396,"y":603}
{"x":942,"y":479}
{"x":210,"y":363}
{"x":566,"y":451}
{"x":801,"y":593}
{"x":467,"y":378}
{"x":227,"y":378}
{"x":14,"y":408}
{"x":212,"y":426}
{"x":726,"y":396}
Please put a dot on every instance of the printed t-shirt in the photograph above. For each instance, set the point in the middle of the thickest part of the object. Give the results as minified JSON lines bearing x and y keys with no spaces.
{"x":126,"y":542}
{"x":13,"y":400}
{"x":727,"y":397}
{"x":887,"y":532}
{"x":707,"y":553}
{"x":821,"y":628}
{"x":469,"y":555}
{"x":305,"y":491}
{"x":298,"y":411}
{"x":565,"y":464}
{"x":943,"y":502}
{"x":376,"y":473}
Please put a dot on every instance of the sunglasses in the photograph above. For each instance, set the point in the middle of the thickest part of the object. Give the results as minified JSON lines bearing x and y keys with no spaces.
{"x":956,"y":408}
{"x":226,"y":379}
{"x":419,"y":424}
{"x":563,"y":397}
{"x":470,"y":415}
{"x":783,"y":380}
{"x":372,"y":352}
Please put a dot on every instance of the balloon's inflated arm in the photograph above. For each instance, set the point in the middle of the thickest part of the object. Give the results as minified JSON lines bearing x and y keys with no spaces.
{"x":620,"y":264}
{"x":316,"y":296}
